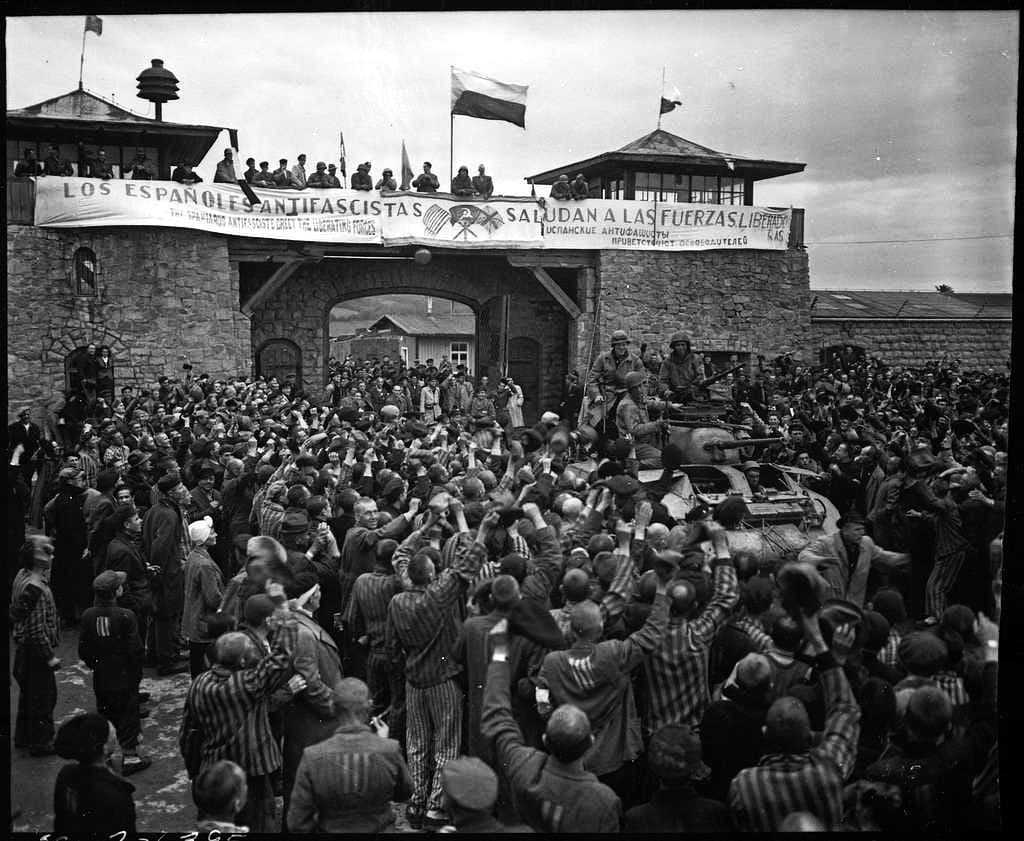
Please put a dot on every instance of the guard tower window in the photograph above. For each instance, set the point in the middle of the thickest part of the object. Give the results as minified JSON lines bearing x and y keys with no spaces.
{"x":85,"y":271}
{"x":698,"y":189}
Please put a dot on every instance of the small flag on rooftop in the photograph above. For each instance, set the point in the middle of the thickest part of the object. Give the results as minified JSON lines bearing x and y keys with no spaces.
{"x":669,"y":103}
{"x":475,"y":95}
{"x":341,"y":153}
{"x":94,"y":24}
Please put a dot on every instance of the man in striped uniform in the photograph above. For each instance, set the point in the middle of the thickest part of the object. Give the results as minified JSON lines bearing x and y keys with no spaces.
{"x":595,"y":676}
{"x":424,"y":622}
{"x":367,"y":617}
{"x":227,"y":704}
{"x":36,"y":629}
{"x":795,"y":777}
{"x":677,"y":672}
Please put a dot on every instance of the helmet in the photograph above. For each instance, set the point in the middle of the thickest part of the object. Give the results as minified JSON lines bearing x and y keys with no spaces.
{"x":678,"y":339}
{"x":635,"y":379}
{"x":620,"y":336}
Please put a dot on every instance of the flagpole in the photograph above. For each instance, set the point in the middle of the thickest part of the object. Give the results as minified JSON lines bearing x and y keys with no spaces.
{"x":451,"y":129}
{"x":662,"y":95}
{"x":81,"y":63}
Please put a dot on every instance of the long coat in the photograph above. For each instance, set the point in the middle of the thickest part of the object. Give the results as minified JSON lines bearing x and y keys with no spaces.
{"x":309,"y":718}
{"x":163,"y":536}
{"x":71,"y":578}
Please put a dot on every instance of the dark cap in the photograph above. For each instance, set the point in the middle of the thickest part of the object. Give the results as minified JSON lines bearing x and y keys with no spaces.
{"x":108,"y":581}
{"x":470,"y":782}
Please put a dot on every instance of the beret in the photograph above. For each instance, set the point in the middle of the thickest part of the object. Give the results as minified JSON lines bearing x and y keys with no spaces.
{"x":470,"y":782}
{"x":922,"y":653}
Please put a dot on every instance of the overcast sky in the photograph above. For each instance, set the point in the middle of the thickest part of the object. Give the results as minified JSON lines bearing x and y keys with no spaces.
{"x":906,"y":120}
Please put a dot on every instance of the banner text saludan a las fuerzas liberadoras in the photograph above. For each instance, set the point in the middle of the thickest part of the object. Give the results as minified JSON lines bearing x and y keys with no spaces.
{"x":402,"y":218}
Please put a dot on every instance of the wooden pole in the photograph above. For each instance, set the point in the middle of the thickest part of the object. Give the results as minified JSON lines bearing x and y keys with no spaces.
{"x":662,"y":95}
{"x":81,"y":63}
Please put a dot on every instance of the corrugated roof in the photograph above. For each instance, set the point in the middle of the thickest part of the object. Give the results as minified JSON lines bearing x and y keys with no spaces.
{"x":428,"y":325}
{"x":856,"y":303}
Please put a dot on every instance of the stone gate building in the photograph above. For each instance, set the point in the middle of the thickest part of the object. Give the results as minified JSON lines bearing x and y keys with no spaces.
{"x":235,"y":304}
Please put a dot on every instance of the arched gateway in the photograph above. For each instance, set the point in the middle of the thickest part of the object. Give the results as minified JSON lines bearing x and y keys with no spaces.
{"x":509,"y":303}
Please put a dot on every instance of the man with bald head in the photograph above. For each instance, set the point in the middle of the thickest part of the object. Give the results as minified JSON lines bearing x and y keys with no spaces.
{"x":228,"y":706}
{"x":347,"y":782}
{"x":594,"y":675}
{"x":793,"y":776}
{"x":575,"y":589}
{"x":553,"y":790}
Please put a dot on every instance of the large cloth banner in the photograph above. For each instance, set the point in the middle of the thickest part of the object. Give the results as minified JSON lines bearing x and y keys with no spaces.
{"x":342,"y":216}
{"x":406,"y":218}
{"x":661,"y":226}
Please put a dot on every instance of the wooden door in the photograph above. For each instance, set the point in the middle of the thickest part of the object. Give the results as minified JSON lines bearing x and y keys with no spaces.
{"x":279,"y":358}
{"x":524,"y":368}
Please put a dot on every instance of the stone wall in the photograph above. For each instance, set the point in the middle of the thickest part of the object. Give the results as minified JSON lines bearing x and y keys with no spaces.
{"x":751,"y":301}
{"x":160,"y":293}
{"x":979,"y":344}
{"x":300,"y":308}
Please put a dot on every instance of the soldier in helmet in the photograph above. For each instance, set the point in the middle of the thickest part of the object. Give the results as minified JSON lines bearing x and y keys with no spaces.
{"x":607,"y":376}
{"x":680,"y":371}
{"x":632,"y":420}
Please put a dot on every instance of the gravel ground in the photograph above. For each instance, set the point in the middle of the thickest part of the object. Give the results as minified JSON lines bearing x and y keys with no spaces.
{"x":162,"y":799}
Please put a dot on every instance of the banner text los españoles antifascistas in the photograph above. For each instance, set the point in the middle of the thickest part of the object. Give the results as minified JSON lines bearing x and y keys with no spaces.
{"x":553,"y":217}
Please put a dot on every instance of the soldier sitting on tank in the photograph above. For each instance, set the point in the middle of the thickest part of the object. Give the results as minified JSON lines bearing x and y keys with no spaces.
{"x":633,"y":422}
{"x":680,"y":371}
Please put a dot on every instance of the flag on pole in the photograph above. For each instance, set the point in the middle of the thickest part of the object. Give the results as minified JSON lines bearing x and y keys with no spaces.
{"x":479,"y":96}
{"x":94,"y":24}
{"x":406,"y":169}
{"x":341,"y":151}
{"x":670,"y":102}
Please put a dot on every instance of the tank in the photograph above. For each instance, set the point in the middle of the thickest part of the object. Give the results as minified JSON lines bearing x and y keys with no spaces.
{"x":780,"y":521}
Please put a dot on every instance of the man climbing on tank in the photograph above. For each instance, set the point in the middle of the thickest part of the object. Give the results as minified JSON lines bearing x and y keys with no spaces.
{"x":680,"y":371}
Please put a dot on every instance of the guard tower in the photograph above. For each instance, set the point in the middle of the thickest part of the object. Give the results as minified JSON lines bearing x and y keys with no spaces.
{"x":664,"y":167}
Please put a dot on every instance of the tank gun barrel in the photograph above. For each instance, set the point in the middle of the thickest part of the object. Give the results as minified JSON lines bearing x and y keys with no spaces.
{"x":740,"y":443}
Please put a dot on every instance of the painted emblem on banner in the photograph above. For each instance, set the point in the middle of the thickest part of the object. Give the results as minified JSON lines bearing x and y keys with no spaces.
{"x":462,"y":217}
